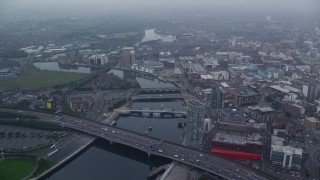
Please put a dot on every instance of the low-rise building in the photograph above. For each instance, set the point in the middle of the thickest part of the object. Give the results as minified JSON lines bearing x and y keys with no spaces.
{"x":80,"y":102}
{"x":294,"y":110}
{"x":312,"y":123}
{"x":261,"y":114}
{"x":286,"y":156}
{"x":245,"y":97}
{"x":282,"y":154}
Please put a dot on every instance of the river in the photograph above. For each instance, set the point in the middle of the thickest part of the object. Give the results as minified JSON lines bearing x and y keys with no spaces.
{"x":105,"y":161}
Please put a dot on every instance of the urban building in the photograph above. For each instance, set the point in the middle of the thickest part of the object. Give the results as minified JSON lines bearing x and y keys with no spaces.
{"x":80,"y":102}
{"x":260,"y":114}
{"x":195,"y":123}
{"x":245,"y":97}
{"x":311,"y":91}
{"x":207,"y":125}
{"x":100,"y":59}
{"x":311,"y":123}
{"x":238,"y":136}
{"x":142,"y":69}
{"x":216,"y":97}
{"x":222,"y":55}
{"x":294,"y":110}
{"x":282,"y":154}
{"x":209,"y":64}
{"x":286,"y":156}
{"x":128,"y":57}
{"x":220,"y":75}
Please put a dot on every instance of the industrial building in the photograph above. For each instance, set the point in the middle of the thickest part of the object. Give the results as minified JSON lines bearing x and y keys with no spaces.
{"x":238,"y":137}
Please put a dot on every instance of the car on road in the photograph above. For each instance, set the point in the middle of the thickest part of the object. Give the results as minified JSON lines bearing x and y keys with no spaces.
{"x":176,"y":156}
{"x":160,"y":151}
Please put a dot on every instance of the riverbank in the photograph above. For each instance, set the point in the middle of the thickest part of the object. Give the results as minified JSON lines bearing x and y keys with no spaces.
{"x":67,"y":152}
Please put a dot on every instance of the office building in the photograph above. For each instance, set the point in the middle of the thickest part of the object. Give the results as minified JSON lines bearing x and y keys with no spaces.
{"x":286,"y":156}
{"x":216,"y":97}
{"x":128,"y":57}
{"x":100,"y":59}
{"x":195,"y":123}
{"x":260,"y":114}
{"x":245,"y":97}
{"x":311,"y":91}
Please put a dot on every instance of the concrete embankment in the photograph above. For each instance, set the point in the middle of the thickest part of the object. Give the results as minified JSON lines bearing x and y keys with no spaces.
{"x":65,"y":160}
{"x":158,"y":171}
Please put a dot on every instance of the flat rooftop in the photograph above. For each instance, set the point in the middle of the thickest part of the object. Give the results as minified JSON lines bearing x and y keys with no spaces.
{"x":238,"y":139}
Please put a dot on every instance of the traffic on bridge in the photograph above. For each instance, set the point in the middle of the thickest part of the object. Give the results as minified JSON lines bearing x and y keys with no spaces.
{"x":153,"y":146}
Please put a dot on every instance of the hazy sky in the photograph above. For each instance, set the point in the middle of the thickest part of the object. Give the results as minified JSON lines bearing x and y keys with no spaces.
{"x":13,"y":7}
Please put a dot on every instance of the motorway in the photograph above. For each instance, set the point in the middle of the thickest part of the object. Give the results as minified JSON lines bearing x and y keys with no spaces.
{"x":312,"y":162}
{"x":153,"y":146}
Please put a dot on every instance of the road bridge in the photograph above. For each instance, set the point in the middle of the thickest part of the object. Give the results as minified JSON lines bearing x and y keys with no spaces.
{"x":159,"y":97}
{"x":152,"y":112}
{"x":169,"y":90}
{"x":152,"y":146}
{"x":156,"y":147}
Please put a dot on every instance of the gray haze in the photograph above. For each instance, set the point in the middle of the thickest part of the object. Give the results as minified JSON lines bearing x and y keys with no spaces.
{"x":52,"y":8}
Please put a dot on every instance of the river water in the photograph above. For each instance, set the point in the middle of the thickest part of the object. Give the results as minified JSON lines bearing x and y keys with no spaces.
{"x":105,"y":161}
{"x":117,"y":162}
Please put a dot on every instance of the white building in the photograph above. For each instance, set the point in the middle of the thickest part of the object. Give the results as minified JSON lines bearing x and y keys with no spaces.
{"x":99,"y":59}
{"x":220,"y":75}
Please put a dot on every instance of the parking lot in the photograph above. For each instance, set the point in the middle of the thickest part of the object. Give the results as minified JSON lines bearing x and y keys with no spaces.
{"x":12,"y":137}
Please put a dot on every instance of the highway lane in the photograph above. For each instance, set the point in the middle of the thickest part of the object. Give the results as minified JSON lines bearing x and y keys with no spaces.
{"x":207,"y":162}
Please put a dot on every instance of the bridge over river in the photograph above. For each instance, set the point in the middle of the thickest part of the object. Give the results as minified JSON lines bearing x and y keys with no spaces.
{"x":152,"y":146}
{"x":146,"y":112}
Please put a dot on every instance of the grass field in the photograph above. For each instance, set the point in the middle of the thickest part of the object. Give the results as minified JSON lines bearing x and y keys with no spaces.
{"x":33,"y":78}
{"x":44,"y":165}
{"x":15,"y":169}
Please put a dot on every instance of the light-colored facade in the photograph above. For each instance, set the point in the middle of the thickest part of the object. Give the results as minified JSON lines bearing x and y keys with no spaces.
{"x":312,"y":123}
{"x":286,"y":156}
{"x":195,"y":123}
{"x":100,"y":59}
